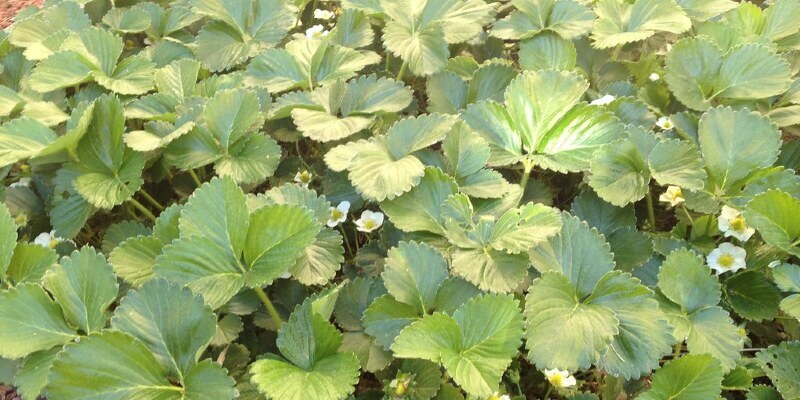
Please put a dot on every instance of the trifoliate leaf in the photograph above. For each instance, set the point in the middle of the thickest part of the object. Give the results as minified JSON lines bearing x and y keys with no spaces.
{"x":475,"y":345}
{"x":691,"y":376}
{"x":384,"y":167}
{"x":748,"y":71}
{"x":240,"y":30}
{"x":734,"y":143}
{"x":306,"y":63}
{"x":782,"y":363}
{"x":42,"y":34}
{"x":419,"y":32}
{"x":420,"y":209}
{"x":119,"y":365}
{"x":578,"y":251}
{"x":620,"y":22}
{"x":776,"y":216}
{"x":31,"y":322}
{"x":85,"y":286}
{"x":413,"y":274}
{"x":567,"y":18}
{"x":160,"y":314}
{"x":311,"y":366}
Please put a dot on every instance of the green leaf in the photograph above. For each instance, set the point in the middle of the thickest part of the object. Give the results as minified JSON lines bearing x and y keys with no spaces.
{"x":687,"y":281}
{"x":775,"y":215}
{"x":699,"y":72}
{"x":386,"y":317}
{"x":85,"y":286}
{"x":160,"y":314}
{"x":384,"y":167}
{"x":677,"y":162}
{"x":132,"y":75}
{"x":631,"y":248}
{"x":156,"y":135}
{"x":8,"y":240}
{"x":752,"y":296}
{"x":30,"y":262}
{"x":619,"y":22}
{"x":120,"y":365}
{"x":585,"y":330}
{"x":306,"y":63}
{"x":569,"y":19}
{"x":420,"y":209}
{"x":276,"y":237}
{"x":619,"y":173}
{"x":252,"y":159}
{"x":578,"y":251}
{"x":133,"y":260}
{"x":239,"y":30}
{"x":352,"y":29}
{"x":43,"y":33}
{"x":208,"y":380}
{"x":689,"y":377}
{"x":601,"y":215}
{"x":31,"y":322}
{"x":23,"y":138}
{"x":60,"y":70}
{"x":312,"y":367}
{"x":320,"y":261}
{"x":475,"y":345}
{"x":127,"y":20}
{"x":32,"y":376}
{"x":734,"y":143}
{"x":413,"y":274}
{"x":547,"y":51}
{"x":782,"y":365}
{"x":490,"y":269}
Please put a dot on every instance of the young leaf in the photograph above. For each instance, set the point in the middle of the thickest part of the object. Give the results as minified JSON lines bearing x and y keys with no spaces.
{"x":475,"y":345}
{"x":691,"y":376}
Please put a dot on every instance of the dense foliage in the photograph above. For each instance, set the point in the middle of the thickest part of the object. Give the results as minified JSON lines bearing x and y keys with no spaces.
{"x":401,"y":199}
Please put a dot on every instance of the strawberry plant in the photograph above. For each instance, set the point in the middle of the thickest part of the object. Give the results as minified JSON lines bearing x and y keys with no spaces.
{"x":401,"y":199}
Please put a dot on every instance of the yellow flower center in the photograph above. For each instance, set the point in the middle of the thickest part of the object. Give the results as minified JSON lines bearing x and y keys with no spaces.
{"x":737,"y":223}
{"x":370,"y":224}
{"x":336,"y":214}
{"x":668,"y":125}
{"x":556,"y":380}
{"x":53,"y":243}
{"x":305,"y":177}
{"x":726,"y":260}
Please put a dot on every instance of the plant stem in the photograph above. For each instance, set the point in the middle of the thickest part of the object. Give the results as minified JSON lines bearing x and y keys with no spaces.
{"x":677,"y":352}
{"x":273,"y":313}
{"x":142,"y":209}
{"x":651,"y":213}
{"x":195,"y":178}
{"x":547,"y":393}
{"x":346,"y":240}
{"x":402,"y":71}
{"x":685,"y":211}
{"x":526,"y":174}
{"x":150,"y":199}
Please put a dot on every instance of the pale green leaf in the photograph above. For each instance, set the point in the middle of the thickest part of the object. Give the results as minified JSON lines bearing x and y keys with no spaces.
{"x":689,"y":377}
{"x":31,"y":322}
{"x":776,"y":216}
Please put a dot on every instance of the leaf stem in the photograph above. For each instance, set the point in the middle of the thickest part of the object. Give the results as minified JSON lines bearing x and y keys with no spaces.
{"x":273,"y":313}
{"x":150,"y":199}
{"x":677,"y":353}
{"x":142,"y":209}
{"x":685,"y":211}
{"x":651,"y":213}
{"x":402,"y":71}
{"x":547,"y":393}
{"x":346,"y":240}
{"x":195,"y":178}
{"x":526,"y":174}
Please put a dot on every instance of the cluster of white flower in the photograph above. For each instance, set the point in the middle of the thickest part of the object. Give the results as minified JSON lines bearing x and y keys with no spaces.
{"x":319,"y":30}
{"x":727,"y":257}
{"x":369,"y":221}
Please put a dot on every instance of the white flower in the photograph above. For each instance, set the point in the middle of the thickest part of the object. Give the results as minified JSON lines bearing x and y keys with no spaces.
{"x":323,"y":14}
{"x":774,"y":264}
{"x":22,"y":182}
{"x":673,"y":196}
{"x":727,"y":257}
{"x":48,"y":240}
{"x":147,"y":41}
{"x":607,"y":99}
{"x":369,"y":221}
{"x":665,"y":123}
{"x":559,"y":378}
{"x":339,"y":214}
{"x":286,"y":275}
{"x":316,"y":31}
{"x":732,"y":223}
{"x":498,"y":396}
{"x":303,"y":178}
{"x":654,"y":77}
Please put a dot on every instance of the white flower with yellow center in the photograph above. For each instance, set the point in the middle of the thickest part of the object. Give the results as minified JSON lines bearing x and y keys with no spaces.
{"x":369,"y":221}
{"x":665,"y":123}
{"x":673,"y":196}
{"x":303,"y":178}
{"x":498,"y":396}
{"x":323,"y":14}
{"x":338,"y":214}
{"x":732,"y":223}
{"x":654,"y":77}
{"x":607,"y":99}
{"x":316,"y":31}
{"x":727,"y":258}
{"x":48,"y":240}
{"x":559,"y":378}
{"x":774,"y":264}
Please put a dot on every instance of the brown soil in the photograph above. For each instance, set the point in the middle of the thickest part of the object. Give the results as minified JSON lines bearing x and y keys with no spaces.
{"x":8,"y":393}
{"x":9,"y":8}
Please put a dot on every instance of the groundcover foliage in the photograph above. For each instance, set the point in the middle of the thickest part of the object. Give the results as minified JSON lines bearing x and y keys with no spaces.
{"x":401,"y":199}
